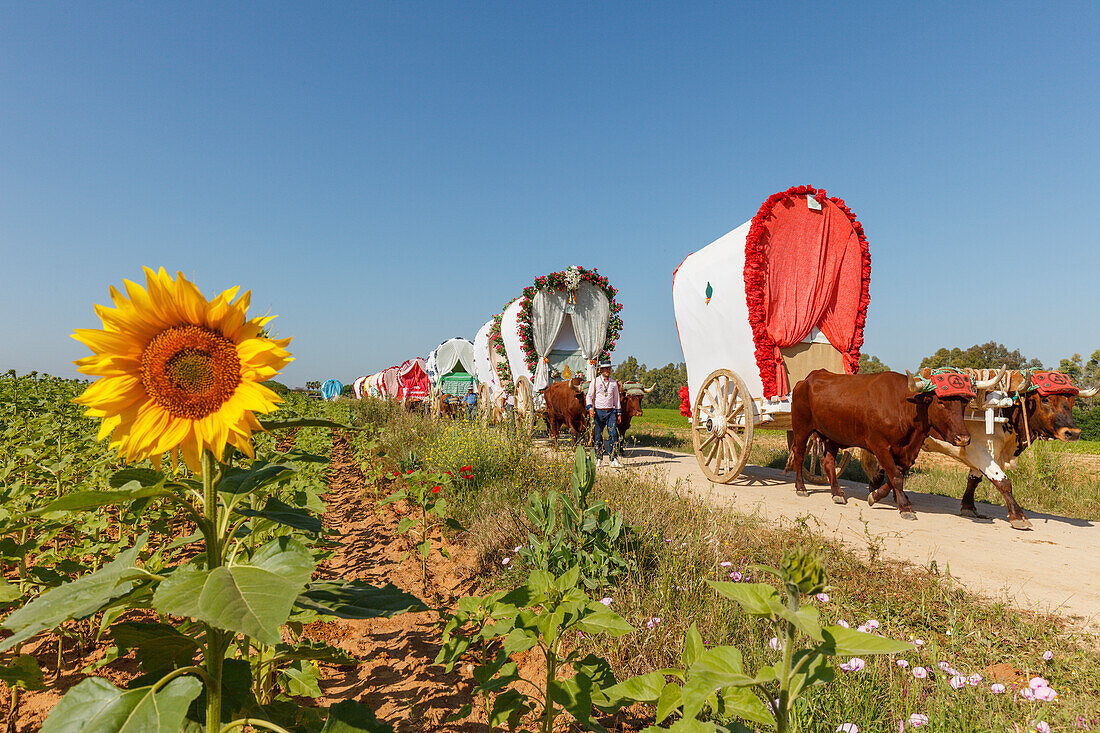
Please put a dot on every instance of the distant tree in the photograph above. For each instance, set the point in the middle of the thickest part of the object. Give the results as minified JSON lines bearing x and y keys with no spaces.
{"x":667,"y":379}
{"x":277,"y":387}
{"x":1083,"y":373}
{"x":347,"y":391}
{"x":869,"y":364}
{"x":989,"y":355}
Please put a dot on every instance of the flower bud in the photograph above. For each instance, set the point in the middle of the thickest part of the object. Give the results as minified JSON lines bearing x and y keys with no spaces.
{"x":803,"y":570}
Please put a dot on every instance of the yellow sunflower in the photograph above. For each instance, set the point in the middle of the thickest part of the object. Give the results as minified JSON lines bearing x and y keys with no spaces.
{"x":178,"y":373}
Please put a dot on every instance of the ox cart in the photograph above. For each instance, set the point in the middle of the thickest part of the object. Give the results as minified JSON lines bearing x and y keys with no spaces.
{"x":451,"y":370}
{"x":560,"y":327}
{"x":488,"y":355}
{"x":759,"y":309}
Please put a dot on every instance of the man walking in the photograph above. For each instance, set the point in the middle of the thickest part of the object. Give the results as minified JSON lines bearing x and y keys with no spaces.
{"x":471,"y":404}
{"x":603,"y":405}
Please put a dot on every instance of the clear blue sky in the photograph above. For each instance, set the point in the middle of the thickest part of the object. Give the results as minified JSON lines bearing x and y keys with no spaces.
{"x":385,"y":176}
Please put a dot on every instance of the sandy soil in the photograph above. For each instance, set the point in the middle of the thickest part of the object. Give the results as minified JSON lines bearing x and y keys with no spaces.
{"x":1053,"y":568}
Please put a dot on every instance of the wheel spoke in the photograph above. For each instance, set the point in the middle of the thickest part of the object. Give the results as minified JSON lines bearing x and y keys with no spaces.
{"x":708,"y":441}
{"x":711,"y":453}
{"x":733,"y":447}
{"x":736,"y":438}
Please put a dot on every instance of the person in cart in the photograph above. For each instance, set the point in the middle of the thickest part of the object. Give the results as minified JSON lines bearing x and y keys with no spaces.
{"x":603,"y":405}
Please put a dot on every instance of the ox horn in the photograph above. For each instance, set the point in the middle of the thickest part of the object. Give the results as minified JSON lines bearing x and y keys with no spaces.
{"x":1026,"y":383}
{"x":650,"y":389}
{"x":1090,"y":392}
{"x":990,"y":383}
{"x":916,"y":383}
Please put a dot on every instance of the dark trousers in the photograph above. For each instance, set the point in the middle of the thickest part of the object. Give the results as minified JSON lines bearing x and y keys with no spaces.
{"x":610,"y":419}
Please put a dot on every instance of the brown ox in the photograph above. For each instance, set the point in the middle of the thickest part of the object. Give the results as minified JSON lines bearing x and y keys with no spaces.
{"x":565,"y":408}
{"x":992,"y":452}
{"x":888,"y":414}
{"x":630,"y":403}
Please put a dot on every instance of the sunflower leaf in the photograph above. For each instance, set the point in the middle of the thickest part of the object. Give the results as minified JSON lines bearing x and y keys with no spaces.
{"x":357,"y":600}
{"x":79,"y":501}
{"x":283,"y":513}
{"x":96,"y":705}
{"x":253,"y":599}
{"x":82,"y":597}
{"x":301,"y":422}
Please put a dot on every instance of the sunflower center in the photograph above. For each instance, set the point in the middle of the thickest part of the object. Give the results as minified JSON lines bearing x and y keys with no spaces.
{"x":190,"y":371}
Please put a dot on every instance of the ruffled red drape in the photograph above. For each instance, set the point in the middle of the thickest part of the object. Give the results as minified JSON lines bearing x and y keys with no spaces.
{"x":805,"y":268}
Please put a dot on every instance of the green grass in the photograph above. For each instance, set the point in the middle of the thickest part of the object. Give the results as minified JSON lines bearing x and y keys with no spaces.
{"x":681,"y":543}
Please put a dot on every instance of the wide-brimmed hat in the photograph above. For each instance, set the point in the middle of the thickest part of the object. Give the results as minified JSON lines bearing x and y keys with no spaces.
{"x":604,"y":363}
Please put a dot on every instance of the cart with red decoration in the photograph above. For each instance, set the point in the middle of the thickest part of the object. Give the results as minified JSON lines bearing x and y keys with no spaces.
{"x":560,"y":327}
{"x":760,"y":308}
{"x":414,"y":388}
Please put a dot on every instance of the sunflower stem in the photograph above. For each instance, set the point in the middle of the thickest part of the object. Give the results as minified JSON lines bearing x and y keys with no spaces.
{"x":214,"y":652}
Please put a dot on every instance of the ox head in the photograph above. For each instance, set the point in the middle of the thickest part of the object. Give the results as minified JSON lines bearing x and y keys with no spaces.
{"x":631,"y":398}
{"x":1049,"y":413}
{"x":945,"y":412}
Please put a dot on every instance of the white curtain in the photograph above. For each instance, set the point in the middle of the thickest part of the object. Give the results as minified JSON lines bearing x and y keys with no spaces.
{"x":547,"y":312}
{"x":590,"y":323}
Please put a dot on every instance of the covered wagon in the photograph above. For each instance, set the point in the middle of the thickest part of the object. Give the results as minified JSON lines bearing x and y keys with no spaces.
{"x":560,"y":327}
{"x":331,"y":389}
{"x":487,"y":359}
{"x":413,"y":385}
{"x":451,"y":370}
{"x":760,"y":308}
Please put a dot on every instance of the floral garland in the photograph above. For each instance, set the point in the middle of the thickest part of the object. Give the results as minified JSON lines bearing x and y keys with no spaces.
{"x":504,"y":371}
{"x":567,"y":279}
{"x":754,"y":284}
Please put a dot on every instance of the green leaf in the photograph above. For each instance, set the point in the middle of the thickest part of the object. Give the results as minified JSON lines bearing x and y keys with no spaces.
{"x":352,"y":716}
{"x":645,"y":688}
{"x":253,"y":599}
{"x":97,"y":706}
{"x":758,"y":599}
{"x":602,"y":620}
{"x":807,"y":619}
{"x":159,"y":648}
{"x":241,"y":481}
{"x":743,"y":703}
{"x":283,"y":513}
{"x":668,"y":701}
{"x":517,"y":641}
{"x":78,"y":501}
{"x":82,"y":597}
{"x":717,"y":668}
{"x":508,"y":709}
{"x":815,"y":672}
{"x":23,"y":672}
{"x":315,"y":650}
{"x":575,"y":696}
{"x":301,"y":679}
{"x":8,"y":592}
{"x":693,"y":647}
{"x":357,"y":600}
{"x":144,"y":476}
{"x":301,"y":422}
{"x":839,"y":640}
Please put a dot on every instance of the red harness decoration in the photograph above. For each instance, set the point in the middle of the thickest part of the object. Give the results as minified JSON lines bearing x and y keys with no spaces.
{"x":1053,"y":383}
{"x":953,"y":385}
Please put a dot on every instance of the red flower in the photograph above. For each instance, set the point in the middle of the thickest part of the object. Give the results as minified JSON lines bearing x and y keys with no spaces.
{"x":396,"y":474}
{"x":409,"y":471}
{"x":466,"y":468}
{"x":449,"y":473}
{"x":435,"y":490}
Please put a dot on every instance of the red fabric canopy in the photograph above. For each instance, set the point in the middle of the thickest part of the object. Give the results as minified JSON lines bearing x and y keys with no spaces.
{"x":413,"y":381}
{"x":805,"y":268}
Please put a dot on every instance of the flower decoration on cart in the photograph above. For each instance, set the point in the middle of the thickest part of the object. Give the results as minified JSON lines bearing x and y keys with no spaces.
{"x":504,"y":372}
{"x":568,"y":280}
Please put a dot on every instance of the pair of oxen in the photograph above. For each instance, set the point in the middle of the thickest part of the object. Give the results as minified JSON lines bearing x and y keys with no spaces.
{"x":981,"y":418}
{"x":565,"y":407}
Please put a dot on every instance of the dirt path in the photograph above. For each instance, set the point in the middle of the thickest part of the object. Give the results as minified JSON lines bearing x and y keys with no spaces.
{"x":397,"y":678}
{"x":1054,"y":568}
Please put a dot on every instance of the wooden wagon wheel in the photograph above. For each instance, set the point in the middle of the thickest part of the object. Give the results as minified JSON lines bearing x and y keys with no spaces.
{"x":813,"y":468}
{"x":525,"y":406}
{"x":484,"y":404}
{"x":722,"y":425}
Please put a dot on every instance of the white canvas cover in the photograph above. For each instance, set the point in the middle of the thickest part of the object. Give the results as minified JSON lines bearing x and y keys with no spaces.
{"x":509,"y":334}
{"x":485,"y":359}
{"x":357,"y":387}
{"x":374,"y":385}
{"x":716,"y":335}
{"x":554,"y":328}
{"x":447,"y":355}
